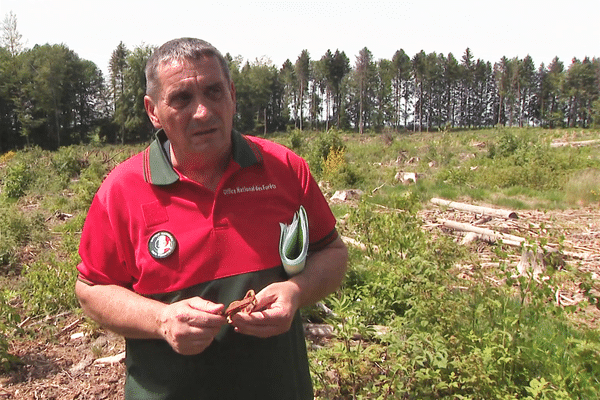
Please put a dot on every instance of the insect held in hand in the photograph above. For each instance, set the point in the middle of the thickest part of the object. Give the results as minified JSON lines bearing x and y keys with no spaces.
{"x":246,"y":305}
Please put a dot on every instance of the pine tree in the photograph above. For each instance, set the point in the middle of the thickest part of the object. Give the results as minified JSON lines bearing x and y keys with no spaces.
{"x":364,"y":73}
{"x":340,"y":67}
{"x":11,"y":38}
{"x":401,"y":84}
{"x":302,"y":68}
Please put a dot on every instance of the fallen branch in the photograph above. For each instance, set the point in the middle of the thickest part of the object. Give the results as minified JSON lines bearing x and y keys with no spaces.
{"x":327,"y":331}
{"x":575,"y":144}
{"x":494,"y":212}
{"x":354,"y":243}
{"x":70,"y":326}
{"x":118,"y":358}
{"x":491,"y":236}
{"x":485,"y":234}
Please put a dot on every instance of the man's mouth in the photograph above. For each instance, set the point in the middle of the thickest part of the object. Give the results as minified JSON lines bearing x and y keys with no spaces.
{"x":205,"y":132}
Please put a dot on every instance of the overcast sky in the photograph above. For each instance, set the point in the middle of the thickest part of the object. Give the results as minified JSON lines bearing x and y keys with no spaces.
{"x":282,"y":29}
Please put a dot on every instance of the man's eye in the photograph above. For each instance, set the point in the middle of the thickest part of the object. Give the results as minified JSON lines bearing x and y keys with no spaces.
{"x":180,"y":99}
{"x":215,"y":92}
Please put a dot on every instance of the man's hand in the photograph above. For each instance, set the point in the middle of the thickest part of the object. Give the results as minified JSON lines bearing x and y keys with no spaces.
{"x":189,"y":326}
{"x":274,"y":311}
{"x":277,"y":303}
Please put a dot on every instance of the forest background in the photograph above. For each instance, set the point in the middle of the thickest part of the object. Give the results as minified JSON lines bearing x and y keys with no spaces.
{"x":50,"y":97}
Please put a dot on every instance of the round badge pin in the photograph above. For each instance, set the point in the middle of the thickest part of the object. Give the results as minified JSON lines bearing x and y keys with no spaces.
{"x":162,"y":244}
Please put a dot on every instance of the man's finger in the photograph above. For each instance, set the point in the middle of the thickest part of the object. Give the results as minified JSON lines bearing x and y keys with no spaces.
{"x":200,"y":304}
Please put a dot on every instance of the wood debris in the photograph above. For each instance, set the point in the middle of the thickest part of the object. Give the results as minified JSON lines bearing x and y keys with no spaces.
{"x":117,"y":358}
{"x":560,"y":237}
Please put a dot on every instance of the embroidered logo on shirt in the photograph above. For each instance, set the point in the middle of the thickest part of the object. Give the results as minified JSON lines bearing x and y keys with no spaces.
{"x":162,"y":244}
{"x":246,"y":189}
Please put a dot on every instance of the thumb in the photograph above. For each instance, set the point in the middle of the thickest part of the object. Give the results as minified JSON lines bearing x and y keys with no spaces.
{"x":200,"y":304}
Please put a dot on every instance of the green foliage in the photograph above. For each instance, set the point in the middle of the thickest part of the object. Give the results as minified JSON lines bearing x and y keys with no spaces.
{"x":445,"y":338}
{"x":59,"y":182}
{"x":50,"y":287}
{"x":16,"y":230}
{"x":517,"y":165}
{"x":16,"y":180}
{"x":66,"y":163}
{"x":337,"y":171}
{"x":583,"y":187}
{"x":319,"y":150}
{"x":8,"y":323}
{"x":296,"y":140}
{"x":89,"y":182}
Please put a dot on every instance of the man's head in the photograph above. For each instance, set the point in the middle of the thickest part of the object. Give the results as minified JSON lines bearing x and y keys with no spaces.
{"x":191,"y":96}
{"x":180,"y":49}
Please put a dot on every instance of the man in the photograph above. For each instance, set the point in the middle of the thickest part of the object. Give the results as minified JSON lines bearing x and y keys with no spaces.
{"x":179,"y":231}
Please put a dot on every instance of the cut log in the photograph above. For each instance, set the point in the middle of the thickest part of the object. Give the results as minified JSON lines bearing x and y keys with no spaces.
{"x":575,"y":144}
{"x":327,"y":331}
{"x":348,"y":194}
{"x":483,"y":233}
{"x":494,"y":212}
{"x":319,"y":330}
{"x":491,"y":236}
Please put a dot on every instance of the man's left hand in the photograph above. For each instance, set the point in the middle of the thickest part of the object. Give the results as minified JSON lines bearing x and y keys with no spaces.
{"x":273,"y":314}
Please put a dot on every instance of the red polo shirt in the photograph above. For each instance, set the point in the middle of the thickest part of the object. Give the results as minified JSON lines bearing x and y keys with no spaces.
{"x":153,"y":230}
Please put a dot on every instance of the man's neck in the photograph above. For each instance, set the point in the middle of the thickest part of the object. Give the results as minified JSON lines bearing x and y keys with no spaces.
{"x":206,"y":172}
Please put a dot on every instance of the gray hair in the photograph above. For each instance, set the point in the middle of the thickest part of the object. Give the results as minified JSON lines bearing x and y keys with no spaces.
{"x":180,"y":49}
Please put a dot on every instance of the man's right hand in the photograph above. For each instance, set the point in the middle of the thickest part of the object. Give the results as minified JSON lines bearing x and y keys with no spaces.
{"x":190,"y":325}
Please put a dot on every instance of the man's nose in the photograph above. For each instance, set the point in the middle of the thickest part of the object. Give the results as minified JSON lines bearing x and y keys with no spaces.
{"x":202,"y":111}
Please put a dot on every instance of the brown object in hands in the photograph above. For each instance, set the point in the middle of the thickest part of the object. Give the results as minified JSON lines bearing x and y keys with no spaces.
{"x":245,"y":305}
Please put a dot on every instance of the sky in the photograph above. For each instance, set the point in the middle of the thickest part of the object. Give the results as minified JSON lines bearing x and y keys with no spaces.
{"x":280,"y":30}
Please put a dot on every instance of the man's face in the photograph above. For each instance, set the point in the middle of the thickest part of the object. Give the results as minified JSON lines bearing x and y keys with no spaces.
{"x":195,"y":106}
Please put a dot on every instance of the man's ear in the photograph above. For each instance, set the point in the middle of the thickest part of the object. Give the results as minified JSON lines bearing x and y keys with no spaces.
{"x":151,"y":111}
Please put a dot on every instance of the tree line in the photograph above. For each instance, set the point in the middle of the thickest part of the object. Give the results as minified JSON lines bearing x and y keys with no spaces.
{"x":50,"y":97}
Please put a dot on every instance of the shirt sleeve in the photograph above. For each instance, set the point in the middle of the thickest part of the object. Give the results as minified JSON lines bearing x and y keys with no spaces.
{"x":101,"y":262}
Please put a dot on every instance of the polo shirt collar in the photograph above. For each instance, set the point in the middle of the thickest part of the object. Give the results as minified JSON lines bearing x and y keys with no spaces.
{"x":158,"y":169}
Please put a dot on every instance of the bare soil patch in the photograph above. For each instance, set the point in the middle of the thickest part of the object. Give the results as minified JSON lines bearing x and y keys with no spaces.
{"x":58,"y":363}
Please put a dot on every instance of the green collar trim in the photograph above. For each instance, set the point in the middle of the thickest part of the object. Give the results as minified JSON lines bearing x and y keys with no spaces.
{"x":158,"y":169}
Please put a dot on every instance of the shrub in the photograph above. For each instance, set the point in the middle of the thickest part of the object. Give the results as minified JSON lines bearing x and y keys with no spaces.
{"x":49,"y":287}
{"x":89,"y":181}
{"x":296,"y":139}
{"x":320,"y":149}
{"x":15,"y":231}
{"x":337,"y":171}
{"x":66,"y":163}
{"x":9,"y":320}
{"x":16,"y":180}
